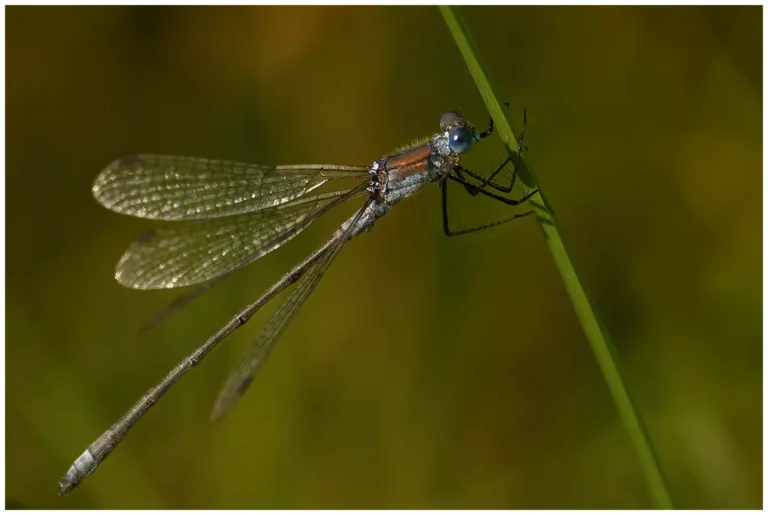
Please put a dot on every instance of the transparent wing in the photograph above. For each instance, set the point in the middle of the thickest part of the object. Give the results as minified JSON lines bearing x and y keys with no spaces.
{"x":189,"y":188}
{"x":200,"y":251}
{"x":239,"y":381}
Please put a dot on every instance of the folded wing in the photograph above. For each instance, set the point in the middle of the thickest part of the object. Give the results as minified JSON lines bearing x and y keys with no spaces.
{"x":163,"y":187}
{"x":200,"y":251}
{"x":242,"y":377}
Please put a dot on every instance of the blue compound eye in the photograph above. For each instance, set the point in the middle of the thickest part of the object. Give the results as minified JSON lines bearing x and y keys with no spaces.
{"x":460,"y":140}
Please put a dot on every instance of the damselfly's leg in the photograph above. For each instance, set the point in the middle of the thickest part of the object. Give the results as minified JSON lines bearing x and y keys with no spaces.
{"x":472,"y":190}
{"x":495,"y":196}
{"x":489,"y":181}
{"x":520,"y":148}
{"x":488,"y":132}
{"x":446,"y":225}
{"x":490,"y":126}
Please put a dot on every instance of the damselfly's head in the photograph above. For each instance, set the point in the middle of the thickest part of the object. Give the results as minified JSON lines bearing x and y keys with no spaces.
{"x":460,"y":133}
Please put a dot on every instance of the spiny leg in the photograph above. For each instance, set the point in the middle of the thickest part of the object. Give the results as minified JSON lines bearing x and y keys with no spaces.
{"x":490,"y":126}
{"x":488,"y":132}
{"x":446,"y":225}
{"x":520,"y":148}
{"x":489,"y":181}
{"x":472,"y":190}
{"x":486,"y":182}
{"x":504,"y":200}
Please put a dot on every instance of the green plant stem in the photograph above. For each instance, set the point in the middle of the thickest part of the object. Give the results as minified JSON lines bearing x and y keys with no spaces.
{"x":604,"y":350}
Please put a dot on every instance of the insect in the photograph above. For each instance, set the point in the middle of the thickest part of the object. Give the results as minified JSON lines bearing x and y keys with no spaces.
{"x":235,"y":213}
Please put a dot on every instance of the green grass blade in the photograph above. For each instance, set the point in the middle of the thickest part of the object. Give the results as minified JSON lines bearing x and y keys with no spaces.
{"x":604,"y":350}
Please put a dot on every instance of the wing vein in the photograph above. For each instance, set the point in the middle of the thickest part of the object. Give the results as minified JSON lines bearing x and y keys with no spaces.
{"x":174,"y":188}
{"x":241,"y":378}
{"x":200,"y":251}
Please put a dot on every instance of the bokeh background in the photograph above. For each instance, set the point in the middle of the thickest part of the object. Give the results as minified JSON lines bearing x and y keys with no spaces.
{"x":425,"y":371}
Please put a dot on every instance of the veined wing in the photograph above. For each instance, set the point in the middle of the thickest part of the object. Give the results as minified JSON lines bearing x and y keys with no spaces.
{"x":188,"y":188}
{"x":239,"y":381}
{"x":200,"y":251}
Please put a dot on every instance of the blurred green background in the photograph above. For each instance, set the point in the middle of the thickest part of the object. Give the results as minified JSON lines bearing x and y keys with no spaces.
{"x":425,"y":371}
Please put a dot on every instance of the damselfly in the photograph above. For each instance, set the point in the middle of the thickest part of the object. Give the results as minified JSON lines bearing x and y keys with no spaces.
{"x":236,"y":213}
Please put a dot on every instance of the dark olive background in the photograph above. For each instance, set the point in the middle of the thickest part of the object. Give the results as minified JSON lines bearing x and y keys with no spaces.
{"x":425,"y":371}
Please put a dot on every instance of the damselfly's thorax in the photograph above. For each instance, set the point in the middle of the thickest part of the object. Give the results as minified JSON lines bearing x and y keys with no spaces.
{"x":401,"y":174}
